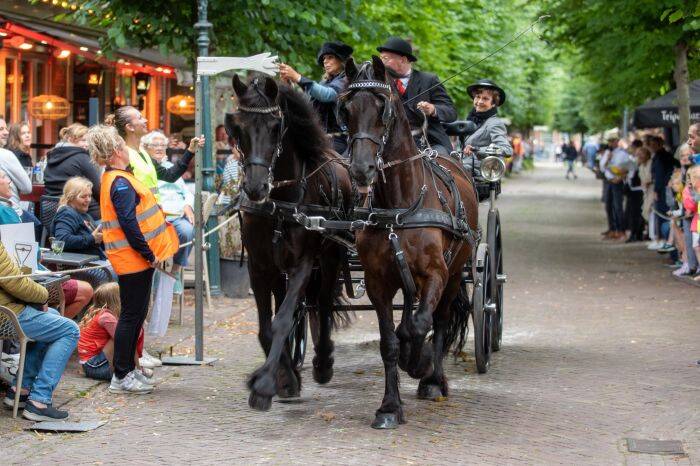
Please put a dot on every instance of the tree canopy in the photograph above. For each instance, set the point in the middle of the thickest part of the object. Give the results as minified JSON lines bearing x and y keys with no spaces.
{"x":448,"y":35}
{"x":596,"y":57}
{"x":620,"y":52}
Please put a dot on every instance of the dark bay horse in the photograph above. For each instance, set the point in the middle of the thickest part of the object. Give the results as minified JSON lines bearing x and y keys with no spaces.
{"x":384,"y":163}
{"x":287,"y":162}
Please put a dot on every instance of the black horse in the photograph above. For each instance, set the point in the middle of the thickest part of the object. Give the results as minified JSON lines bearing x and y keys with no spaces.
{"x":287,"y":165}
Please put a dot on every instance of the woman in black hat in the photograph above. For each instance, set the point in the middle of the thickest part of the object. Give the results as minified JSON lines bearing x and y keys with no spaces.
{"x":324,"y":94}
{"x":487,"y":97}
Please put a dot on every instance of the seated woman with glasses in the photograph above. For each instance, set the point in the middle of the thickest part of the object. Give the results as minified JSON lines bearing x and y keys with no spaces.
{"x":176,"y":200}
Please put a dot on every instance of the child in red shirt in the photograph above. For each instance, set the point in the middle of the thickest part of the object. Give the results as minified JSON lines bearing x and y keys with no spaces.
{"x":96,"y":344}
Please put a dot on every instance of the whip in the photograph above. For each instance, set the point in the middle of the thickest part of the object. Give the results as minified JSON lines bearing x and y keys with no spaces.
{"x":515,"y":38}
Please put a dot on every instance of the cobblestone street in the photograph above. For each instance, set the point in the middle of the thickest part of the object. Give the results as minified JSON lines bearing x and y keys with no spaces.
{"x":600,"y":345}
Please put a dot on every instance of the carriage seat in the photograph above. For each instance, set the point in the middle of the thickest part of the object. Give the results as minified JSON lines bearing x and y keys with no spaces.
{"x":460,"y":128}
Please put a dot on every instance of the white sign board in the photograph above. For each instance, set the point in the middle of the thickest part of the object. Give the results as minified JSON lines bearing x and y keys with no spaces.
{"x":18,"y":240}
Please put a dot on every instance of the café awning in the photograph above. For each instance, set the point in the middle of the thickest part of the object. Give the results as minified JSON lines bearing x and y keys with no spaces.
{"x":84,"y":42}
{"x":662,"y":112}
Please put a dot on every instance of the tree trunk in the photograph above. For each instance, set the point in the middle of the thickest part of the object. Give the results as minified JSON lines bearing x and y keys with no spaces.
{"x":680,"y":74}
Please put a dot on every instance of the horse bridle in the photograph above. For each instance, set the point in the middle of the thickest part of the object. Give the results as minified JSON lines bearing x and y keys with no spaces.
{"x":388,"y":118}
{"x":276,"y":112}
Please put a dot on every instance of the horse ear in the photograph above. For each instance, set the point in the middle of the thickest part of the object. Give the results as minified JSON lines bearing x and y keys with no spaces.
{"x":351,"y":69}
{"x":271,"y":89}
{"x":238,"y":86}
{"x":378,"y":68}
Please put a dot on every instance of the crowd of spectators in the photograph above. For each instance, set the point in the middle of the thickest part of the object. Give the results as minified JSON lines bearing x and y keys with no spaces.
{"x":68,"y":173}
{"x":651,"y":194}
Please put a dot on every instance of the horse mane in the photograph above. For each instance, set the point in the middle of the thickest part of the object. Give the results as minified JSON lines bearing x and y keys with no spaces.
{"x":303,"y":125}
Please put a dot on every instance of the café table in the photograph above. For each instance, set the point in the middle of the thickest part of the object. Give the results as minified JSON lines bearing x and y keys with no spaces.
{"x":68,"y":259}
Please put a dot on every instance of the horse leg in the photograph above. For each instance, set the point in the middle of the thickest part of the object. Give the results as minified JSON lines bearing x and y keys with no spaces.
{"x":420,"y":362}
{"x":435,"y":385}
{"x":262,"y":383}
{"x":390,"y":413}
{"x":288,"y":378}
{"x":323,"y":360}
{"x":260,"y":283}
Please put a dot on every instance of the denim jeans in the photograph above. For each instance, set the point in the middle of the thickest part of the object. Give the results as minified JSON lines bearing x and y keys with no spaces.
{"x":185,"y":233}
{"x":614,"y":206}
{"x":97,"y":368}
{"x":55,"y":337}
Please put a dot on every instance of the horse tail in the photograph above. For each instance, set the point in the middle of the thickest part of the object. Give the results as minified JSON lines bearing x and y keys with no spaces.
{"x":341,"y":319}
{"x":457,"y":331}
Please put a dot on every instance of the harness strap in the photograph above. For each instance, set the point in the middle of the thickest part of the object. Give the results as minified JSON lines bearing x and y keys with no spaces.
{"x":408,"y":285}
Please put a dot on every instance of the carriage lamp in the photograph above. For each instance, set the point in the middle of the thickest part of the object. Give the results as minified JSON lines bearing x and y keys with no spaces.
{"x":493,"y":168}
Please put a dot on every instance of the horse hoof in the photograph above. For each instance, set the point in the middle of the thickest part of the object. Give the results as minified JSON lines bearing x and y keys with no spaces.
{"x":323,"y":375}
{"x":387,"y":421}
{"x":259,"y":402}
{"x":429,"y":392}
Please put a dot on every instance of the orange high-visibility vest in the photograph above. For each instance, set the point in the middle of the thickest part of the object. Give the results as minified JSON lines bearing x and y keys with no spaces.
{"x":159,"y":234}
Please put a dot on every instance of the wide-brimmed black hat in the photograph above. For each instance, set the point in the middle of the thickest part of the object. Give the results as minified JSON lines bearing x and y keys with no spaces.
{"x":338,"y":49}
{"x":488,"y":84}
{"x":399,"y":46}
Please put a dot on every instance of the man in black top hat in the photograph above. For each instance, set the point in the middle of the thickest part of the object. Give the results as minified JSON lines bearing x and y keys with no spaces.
{"x":324,"y":94}
{"x":431,"y":98}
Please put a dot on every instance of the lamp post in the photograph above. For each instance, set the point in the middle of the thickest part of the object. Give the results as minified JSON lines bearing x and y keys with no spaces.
{"x":204,"y":171}
{"x":203,"y":179}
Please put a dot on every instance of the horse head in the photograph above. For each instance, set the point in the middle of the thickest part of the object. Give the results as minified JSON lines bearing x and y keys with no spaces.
{"x":368,"y":110}
{"x":258,"y":128}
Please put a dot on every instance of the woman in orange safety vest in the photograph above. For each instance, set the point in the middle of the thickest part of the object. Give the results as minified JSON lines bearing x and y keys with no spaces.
{"x":136,"y":237}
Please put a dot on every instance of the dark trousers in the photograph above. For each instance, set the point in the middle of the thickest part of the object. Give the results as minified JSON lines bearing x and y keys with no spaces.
{"x":633,"y":215}
{"x":614,"y":206}
{"x":661,"y":207}
{"x":135,"y":293}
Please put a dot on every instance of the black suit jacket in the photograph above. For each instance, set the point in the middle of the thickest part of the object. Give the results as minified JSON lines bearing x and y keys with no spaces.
{"x":444,"y":108}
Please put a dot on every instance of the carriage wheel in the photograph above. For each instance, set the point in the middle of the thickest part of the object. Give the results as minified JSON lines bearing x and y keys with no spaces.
{"x":298,"y":336}
{"x":482,"y":317}
{"x":496,"y":271}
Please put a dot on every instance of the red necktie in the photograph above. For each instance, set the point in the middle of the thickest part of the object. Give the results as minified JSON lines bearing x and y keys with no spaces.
{"x":400,"y":87}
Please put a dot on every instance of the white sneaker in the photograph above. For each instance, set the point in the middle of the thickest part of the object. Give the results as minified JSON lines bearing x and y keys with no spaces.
{"x":149,"y":361}
{"x":654,"y":245}
{"x":143,"y":377}
{"x":130,"y":384}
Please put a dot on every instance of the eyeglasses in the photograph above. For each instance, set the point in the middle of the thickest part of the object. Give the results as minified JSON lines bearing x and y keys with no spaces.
{"x":158,"y":146}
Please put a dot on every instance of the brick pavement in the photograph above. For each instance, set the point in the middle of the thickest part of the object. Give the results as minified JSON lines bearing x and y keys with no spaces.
{"x":599,"y":346}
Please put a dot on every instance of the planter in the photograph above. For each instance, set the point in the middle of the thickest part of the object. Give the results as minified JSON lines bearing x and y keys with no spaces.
{"x":235,"y":281}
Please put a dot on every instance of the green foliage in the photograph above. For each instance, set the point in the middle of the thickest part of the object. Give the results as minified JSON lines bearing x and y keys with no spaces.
{"x":620,"y":51}
{"x":449,"y":35}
